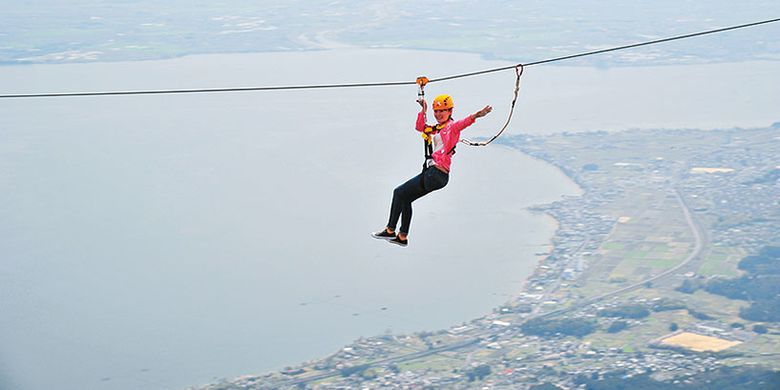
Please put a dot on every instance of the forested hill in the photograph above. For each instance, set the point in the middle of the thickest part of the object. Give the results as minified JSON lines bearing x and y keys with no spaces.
{"x":760,"y":286}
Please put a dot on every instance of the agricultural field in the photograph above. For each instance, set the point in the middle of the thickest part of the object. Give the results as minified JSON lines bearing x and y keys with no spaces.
{"x":697,"y":342}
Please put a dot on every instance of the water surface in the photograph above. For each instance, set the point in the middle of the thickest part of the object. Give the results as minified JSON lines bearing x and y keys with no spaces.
{"x":163,"y":241}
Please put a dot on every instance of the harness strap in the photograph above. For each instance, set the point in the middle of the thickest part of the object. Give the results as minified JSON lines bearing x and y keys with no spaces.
{"x":427,"y":135}
{"x":428,"y":148}
{"x":518,"y":72}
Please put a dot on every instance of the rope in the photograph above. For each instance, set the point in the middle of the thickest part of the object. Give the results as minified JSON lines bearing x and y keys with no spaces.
{"x":378,"y":84}
{"x":518,"y":72}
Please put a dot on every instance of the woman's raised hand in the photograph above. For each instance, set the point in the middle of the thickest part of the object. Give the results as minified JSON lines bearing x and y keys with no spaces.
{"x":423,"y":104}
{"x":483,"y":112}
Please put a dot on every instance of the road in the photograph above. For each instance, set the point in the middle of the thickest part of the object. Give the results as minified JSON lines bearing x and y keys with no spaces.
{"x":697,"y":249}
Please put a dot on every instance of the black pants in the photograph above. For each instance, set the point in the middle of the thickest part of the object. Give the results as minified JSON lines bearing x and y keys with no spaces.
{"x":431,"y":179}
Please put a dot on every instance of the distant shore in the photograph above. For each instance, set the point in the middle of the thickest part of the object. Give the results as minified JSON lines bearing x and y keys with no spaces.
{"x":552,"y":98}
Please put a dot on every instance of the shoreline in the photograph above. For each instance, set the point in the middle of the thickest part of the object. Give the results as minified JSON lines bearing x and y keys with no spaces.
{"x":556,"y":98}
{"x":194,"y":159}
{"x":526,"y":299}
{"x":525,"y":294}
{"x":522,"y":292}
{"x":498,"y":341}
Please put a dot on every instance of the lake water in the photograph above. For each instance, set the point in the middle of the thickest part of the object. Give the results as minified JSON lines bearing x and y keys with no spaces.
{"x":164,"y":241}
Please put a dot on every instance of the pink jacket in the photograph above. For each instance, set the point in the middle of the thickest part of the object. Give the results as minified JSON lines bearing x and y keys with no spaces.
{"x":450,"y":135}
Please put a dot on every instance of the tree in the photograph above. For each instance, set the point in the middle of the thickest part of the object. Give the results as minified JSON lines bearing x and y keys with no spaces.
{"x":729,"y":288}
{"x":673,"y":327}
{"x":667,"y":305}
{"x":731,"y":378}
{"x":626,"y":311}
{"x":762,"y":310}
{"x":760,"y":286}
{"x":482,"y":371}
{"x":760,"y":329}
{"x":617,"y":326}
{"x":545,"y":386}
{"x":590,"y":167}
{"x":348,"y":371}
{"x":761,"y":264}
{"x":699,"y":315}
{"x":566,"y":326}
{"x":479,"y":372}
{"x":689,"y":286}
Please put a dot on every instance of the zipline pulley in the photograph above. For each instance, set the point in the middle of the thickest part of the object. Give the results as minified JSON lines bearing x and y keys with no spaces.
{"x":421,"y":81}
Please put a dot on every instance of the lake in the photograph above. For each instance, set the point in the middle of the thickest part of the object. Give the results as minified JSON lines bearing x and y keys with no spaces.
{"x":165,"y":241}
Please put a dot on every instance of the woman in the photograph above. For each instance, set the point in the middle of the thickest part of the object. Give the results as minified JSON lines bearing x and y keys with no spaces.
{"x":440,"y":142}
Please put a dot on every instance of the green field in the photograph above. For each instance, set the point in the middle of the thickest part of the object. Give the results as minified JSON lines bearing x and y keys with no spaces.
{"x":722,"y":262}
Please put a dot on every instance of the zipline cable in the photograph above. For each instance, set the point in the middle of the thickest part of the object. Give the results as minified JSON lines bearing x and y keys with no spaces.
{"x":206,"y":90}
{"x":519,"y":69}
{"x":590,"y":53}
{"x":380,"y":84}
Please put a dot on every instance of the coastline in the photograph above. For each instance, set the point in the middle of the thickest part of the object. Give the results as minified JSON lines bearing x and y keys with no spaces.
{"x":552,"y":99}
{"x":513,"y":301}
{"x":508,"y":340}
{"x":245,"y":141}
{"x":208,"y":211}
{"x":543,"y":209}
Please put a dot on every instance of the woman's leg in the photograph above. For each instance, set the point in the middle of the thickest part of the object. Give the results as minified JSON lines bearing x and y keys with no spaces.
{"x":403,"y":196}
{"x":430,"y":180}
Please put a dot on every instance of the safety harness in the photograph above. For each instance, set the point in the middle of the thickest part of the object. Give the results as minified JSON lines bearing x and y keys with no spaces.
{"x":421,"y":81}
{"x":429,"y":131}
{"x":427,"y":134}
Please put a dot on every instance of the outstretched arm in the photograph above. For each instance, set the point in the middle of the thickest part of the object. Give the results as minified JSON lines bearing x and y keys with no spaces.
{"x":482,"y":112}
{"x":469,"y":120}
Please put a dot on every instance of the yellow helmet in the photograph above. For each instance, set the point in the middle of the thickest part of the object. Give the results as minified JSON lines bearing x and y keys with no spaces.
{"x":443,"y":102}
